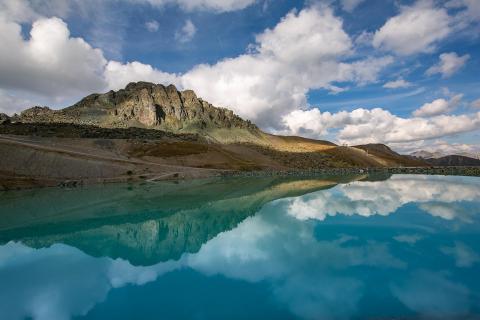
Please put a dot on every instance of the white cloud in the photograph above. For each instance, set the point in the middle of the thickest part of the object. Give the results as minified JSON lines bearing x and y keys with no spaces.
{"x":399,"y":83}
{"x":367,"y":70}
{"x":475,"y":104}
{"x":152,"y":25}
{"x":364,"y":39}
{"x":317,"y":33}
{"x":396,"y":129}
{"x":377,"y":125}
{"x":438,"y":106}
{"x":31,"y":10}
{"x":10,"y":104}
{"x":469,"y":15}
{"x":50,"y":62}
{"x":449,"y":64}
{"x":302,"y":52}
{"x":416,"y":29}
{"x":186,"y":33}
{"x":203,"y":5}
{"x":350,"y":5}
{"x":118,"y":75}
{"x":17,"y":10}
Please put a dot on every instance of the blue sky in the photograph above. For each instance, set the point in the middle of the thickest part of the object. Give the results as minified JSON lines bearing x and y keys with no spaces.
{"x":405,"y":73}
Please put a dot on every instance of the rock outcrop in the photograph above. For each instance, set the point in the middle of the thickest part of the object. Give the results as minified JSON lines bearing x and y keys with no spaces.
{"x":142,"y":104}
{"x":4,"y":118}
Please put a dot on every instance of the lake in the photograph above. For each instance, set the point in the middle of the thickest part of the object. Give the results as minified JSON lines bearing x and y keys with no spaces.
{"x":352,"y":247}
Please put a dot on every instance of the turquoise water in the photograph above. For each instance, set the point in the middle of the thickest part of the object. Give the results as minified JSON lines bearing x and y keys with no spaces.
{"x":378,"y":247}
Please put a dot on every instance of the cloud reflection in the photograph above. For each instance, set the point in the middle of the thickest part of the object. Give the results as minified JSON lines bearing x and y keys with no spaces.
{"x":437,"y":196}
{"x":433,"y":294}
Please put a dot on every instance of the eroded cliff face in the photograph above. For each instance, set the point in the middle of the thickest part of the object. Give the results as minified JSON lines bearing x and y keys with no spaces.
{"x":142,"y":104}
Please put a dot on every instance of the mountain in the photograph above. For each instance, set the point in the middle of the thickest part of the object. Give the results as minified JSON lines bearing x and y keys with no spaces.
{"x":147,"y":105}
{"x":149,"y":131}
{"x":453,"y":160}
{"x":441,"y":159}
{"x":388,"y":157}
{"x":423,"y":154}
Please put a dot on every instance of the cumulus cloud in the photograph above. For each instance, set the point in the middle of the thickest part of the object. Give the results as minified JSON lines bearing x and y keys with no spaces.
{"x":302,"y":52}
{"x":396,"y":129}
{"x":49,"y":62}
{"x":377,"y":125}
{"x":152,"y":25}
{"x":350,"y":5}
{"x":186,"y":33}
{"x":118,"y":74}
{"x":396,"y":84}
{"x":449,"y":64}
{"x":415,"y":29}
{"x":438,"y":106}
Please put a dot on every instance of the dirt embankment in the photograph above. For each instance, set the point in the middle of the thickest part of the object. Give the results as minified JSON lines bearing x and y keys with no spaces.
{"x":44,"y":161}
{"x":62,"y":154}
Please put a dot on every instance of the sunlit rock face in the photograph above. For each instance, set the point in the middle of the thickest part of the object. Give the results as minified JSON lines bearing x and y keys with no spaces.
{"x":142,"y":104}
{"x":301,"y":250}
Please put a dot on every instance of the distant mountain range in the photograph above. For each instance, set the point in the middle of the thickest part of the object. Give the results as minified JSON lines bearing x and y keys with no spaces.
{"x":439,"y":154}
{"x":441,"y":159}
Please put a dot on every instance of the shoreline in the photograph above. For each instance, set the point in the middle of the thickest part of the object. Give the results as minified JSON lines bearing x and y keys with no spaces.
{"x":450,"y":171}
{"x":173,"y":177}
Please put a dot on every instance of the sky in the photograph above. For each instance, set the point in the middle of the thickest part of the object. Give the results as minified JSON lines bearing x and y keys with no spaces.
{"x":401,"y":72}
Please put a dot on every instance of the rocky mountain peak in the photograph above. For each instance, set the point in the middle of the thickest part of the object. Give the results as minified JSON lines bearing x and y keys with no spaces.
{"x":143,"y":104}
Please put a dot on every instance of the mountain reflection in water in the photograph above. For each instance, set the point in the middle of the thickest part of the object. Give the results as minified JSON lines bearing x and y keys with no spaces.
{"x":360,"y":247}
